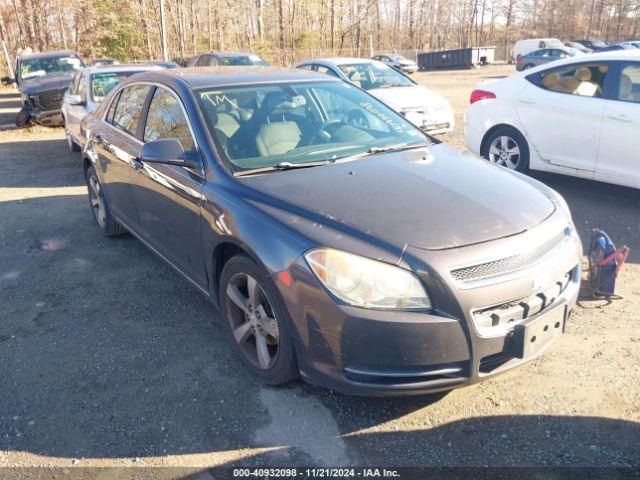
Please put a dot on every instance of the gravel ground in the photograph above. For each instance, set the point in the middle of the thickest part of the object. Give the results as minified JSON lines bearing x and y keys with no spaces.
{"x":109,"y":358}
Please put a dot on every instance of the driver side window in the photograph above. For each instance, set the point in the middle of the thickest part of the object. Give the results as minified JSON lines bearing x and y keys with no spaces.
{"x":167,"y":120}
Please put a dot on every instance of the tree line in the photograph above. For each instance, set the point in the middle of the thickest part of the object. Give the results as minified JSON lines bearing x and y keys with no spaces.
{"x":284,"y":30}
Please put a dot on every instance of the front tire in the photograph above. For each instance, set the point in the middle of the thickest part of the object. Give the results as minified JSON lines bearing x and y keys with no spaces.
{"x":507,"y":147}
{"x":23,"y":118}
{"x":256,"y":321}
{"x":108,"y":226}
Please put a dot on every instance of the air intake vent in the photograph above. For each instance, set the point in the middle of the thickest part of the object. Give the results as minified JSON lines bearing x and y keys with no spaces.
{"x":504,"y":266}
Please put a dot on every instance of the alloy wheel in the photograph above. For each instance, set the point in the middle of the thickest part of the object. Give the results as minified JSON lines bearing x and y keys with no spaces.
{"x":252,"y":320}
{"x":504,"y":151}
{"x":97,"y":200}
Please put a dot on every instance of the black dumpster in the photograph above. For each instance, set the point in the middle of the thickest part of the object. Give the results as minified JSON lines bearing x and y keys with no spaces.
{"x":462,"y":58}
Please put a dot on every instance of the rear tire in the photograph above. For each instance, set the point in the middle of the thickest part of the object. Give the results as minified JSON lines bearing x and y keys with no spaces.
{"x":528,"y":66}
{"x":23,"y":118}
{"x":507,"y":147}
{"x":258,"y":323}
{"x":108,"y":226}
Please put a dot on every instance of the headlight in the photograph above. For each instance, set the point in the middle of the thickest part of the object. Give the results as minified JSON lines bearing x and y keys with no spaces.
{"x":363,"y":282}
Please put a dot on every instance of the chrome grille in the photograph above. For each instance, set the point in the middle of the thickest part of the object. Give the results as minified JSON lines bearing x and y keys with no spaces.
{"x":503,"y":266}
{"x":50,"y":101}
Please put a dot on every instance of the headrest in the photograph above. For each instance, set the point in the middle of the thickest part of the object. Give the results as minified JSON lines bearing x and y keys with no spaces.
{"x":583,"y":74}
{"x":550,"y":80}
{"x":626,"y":85}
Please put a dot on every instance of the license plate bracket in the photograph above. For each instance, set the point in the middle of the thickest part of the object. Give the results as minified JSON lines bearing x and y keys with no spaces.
{"x":529,"y":338}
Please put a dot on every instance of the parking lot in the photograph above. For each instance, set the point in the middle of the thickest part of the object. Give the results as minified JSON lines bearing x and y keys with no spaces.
{"x":109,"y":357}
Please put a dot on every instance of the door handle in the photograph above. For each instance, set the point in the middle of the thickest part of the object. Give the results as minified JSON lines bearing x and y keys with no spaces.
{"x":620,"y":117}
{"x":528,"y":101}
{"x":137,"y":164}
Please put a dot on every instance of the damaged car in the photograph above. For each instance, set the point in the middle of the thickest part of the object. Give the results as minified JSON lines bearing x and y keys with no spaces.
{"x":42,"y":79}
{"x":370,"y":259}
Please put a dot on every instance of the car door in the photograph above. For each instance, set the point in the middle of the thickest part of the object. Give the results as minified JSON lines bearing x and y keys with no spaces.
{"x":619,"y":155}
{"x":117,"y":144}
{"x":168,"y":196}
{"x":561,"y":110}
{"x":75,"y":113}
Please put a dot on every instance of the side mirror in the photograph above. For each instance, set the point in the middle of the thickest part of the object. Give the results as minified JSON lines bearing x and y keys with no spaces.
{"x":168,"y":151}
{"x":8,"y":80}
{"x":75,"y":100}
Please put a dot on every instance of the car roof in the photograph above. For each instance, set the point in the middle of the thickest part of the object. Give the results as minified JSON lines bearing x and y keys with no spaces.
{"x":52,"y":54}
{"x":122,"y":67}
{"x":199,"y":77}
{"x":336,"y":61}
{"x":616,"y":55}
{"x":228,"y":54}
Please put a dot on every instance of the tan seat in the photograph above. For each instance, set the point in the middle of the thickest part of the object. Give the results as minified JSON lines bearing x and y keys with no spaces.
{"x":626,"y":88}
{"x":278,"y":137}
{"x":586,"y":87}
{"x":227,"y":124}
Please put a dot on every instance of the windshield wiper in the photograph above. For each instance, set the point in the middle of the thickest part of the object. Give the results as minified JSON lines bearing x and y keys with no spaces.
{"x":281,"y":166}
{"x":389,"y":148}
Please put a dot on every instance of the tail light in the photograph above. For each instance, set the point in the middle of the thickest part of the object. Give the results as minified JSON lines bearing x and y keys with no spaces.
{"x":478,"y":95}
{"x":519,"y":59}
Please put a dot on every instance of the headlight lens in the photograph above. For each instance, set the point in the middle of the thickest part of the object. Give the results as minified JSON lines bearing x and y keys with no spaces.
{"x":363,"y":282}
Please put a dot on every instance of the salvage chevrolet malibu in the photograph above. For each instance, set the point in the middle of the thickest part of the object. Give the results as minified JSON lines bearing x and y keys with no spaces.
{"x":373,"y":259}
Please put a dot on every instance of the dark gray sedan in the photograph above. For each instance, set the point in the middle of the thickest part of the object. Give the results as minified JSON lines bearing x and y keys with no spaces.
{"x":545,"y":55}
{"x":364,"y":257}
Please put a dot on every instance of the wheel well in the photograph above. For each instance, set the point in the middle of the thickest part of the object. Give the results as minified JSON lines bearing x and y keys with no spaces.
{"x":221,"y":255}
{"x":86,"y":163}
{"x":489,"y":132}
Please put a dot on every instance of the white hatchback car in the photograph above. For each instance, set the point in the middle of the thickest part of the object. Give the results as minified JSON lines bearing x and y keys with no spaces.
{"x":579,"y":116}
{"x":87,"y":90}
{"x":425,"y":108}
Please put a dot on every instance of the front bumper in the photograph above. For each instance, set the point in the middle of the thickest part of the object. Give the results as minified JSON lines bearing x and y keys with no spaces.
{"x":434,"y":121}
{"x":388,"y":353}
{"x":50,"y":118}
{"x":409,"y":69}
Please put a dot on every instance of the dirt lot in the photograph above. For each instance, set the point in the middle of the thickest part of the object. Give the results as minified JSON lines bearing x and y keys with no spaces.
{"x":108,"y":357}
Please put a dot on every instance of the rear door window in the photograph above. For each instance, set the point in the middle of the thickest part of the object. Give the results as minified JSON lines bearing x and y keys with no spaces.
{"x":580,"y":80}
{"x":629,"y":83}
{"x":129,"y":108}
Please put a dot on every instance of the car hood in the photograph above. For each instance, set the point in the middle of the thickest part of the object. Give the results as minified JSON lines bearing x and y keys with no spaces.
{"x":408,"y":97}
{"x":46,"y":83}
{"x":432,"y":198}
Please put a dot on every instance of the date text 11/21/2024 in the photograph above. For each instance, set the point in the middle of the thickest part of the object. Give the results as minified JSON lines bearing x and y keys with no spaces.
{"x":318,"y":472}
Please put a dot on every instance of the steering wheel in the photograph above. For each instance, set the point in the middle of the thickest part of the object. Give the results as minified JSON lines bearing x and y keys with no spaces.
{"x":327,"y":130}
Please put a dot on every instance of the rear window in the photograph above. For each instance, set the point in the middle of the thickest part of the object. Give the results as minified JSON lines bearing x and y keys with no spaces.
{"x":103,"y":83}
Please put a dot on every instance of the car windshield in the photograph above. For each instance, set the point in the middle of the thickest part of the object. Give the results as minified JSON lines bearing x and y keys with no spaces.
{"x":240,"y":60}
{"x":397,"y":58}
{"x":261,"y":126}
{"x":598,"y":43}
{"x":370,"y":76}
{"x":39,"y":67}
{"x":103,"y":83}
{"x":555,"y":43}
